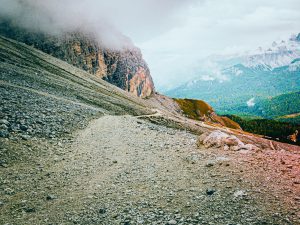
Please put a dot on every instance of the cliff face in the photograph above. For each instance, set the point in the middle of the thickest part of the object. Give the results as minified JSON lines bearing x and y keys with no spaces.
{"x":124,"y":68}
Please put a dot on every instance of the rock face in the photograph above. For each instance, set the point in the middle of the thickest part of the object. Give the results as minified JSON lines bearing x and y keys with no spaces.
{"x":124,"y":67}
{"x":200,"y":110}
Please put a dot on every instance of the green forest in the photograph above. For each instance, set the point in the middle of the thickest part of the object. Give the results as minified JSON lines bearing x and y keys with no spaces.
{"x":273,"y":129}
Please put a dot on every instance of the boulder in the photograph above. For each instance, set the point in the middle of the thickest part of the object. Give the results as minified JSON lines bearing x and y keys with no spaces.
{"x":215,"y":139}
{"x":201,"y":138}
{"x":219,"y":139}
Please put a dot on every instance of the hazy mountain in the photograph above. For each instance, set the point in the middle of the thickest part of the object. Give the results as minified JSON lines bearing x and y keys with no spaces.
{"x":242,"y":80}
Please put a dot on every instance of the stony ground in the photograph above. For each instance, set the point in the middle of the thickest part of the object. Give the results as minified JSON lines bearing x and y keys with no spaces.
{"x":124,"y":170}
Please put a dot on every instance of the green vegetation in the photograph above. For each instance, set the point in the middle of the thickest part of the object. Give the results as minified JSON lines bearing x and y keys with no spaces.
{"x":194,"y":109}
{"x":283,"y":108}
{"x":270,"y":108}
{"x":295,"y":120}
{"x":271,"y":128}
{"x":233,"y":93}
{"x":200,"y":110}
{"x":280,"y":105}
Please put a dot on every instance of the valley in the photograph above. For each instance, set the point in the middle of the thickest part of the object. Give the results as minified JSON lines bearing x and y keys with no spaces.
{"x":255,"y":90}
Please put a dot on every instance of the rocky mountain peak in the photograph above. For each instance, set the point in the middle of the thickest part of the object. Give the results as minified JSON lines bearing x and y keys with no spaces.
{"x":123,"y":67}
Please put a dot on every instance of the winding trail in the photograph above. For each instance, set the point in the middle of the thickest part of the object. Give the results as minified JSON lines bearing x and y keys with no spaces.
{"x":125,"y":170}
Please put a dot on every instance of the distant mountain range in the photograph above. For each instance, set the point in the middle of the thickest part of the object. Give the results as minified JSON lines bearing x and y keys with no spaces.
{"x":243,"y":84}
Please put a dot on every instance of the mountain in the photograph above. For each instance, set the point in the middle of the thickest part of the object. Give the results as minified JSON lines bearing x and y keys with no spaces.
{"x":42,"y":96}
{"x":277,"y":55}
{"x":239,"y":89}
{"x":28,"y":75}
{"x":243,"y":80}
{"x":123,"y":67}
{"x":75,"y":149}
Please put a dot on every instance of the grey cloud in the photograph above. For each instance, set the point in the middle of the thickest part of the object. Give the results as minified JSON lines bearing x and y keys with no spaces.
{"x":218,"y":27}
{"x":140,"y":19}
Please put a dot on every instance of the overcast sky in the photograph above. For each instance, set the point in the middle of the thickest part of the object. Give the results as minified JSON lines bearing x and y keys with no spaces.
{"x":216,"y":27}
{"x":174,"y":35}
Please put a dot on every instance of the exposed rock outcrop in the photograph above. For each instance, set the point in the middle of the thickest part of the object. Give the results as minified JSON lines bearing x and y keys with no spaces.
{"x":124,"y":67}
{"x":200,"y":110}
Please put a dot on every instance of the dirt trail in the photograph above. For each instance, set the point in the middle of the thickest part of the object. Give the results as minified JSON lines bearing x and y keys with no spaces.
{"x":123,"y":170}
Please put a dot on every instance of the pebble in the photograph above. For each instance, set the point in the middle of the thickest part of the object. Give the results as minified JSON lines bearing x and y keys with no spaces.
{"x":3,"y":127}
{"x":210,"y":191}
{"x":172,"y":222}
{"x":25,"y":137}
{"x":5,"y":122}
{"x":239,"y":193}
{"x":4,"y":133}
{"x":29,"y":209}
{"x":51,"y":197}
{"x":23,"y":127}
{"x":9,"y":191}
{"x":209,"y":164}
{"x":102,"y":210}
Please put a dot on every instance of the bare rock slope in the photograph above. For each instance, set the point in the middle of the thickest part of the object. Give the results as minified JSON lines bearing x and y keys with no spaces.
{"x":44,"y":96}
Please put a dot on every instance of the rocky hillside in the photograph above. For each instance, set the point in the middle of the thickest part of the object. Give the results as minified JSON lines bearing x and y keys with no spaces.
{"x":124,"y":68}
{"x":200,"y":110}
{"x":46,"y":97}
{"x":136,"y":162}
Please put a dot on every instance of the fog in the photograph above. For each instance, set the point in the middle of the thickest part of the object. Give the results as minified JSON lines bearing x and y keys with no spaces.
{"x":174,"y":35}
{"x":108,"y":20}
{"x":215,"y":27}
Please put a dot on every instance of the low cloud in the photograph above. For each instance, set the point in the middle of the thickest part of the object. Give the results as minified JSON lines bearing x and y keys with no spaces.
{"x":251,"y":102}
{"x":220,"y":28}
{"x":105,"y":19}
{"x":175,"y":35}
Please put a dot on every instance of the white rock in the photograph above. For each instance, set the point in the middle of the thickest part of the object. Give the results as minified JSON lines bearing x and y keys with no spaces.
{"x":239,"y":193}
{"x":201,"y":139}
{"x":173,"y":222}
{"x":223,"y":140}
{"x":226,"y":148}
{"x":215,"y":139}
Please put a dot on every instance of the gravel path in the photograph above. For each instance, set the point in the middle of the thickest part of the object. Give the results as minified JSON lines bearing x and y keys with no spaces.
{"x":123,"y":170}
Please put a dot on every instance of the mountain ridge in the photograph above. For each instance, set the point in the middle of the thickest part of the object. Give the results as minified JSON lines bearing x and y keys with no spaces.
{"x":267,"y":74}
